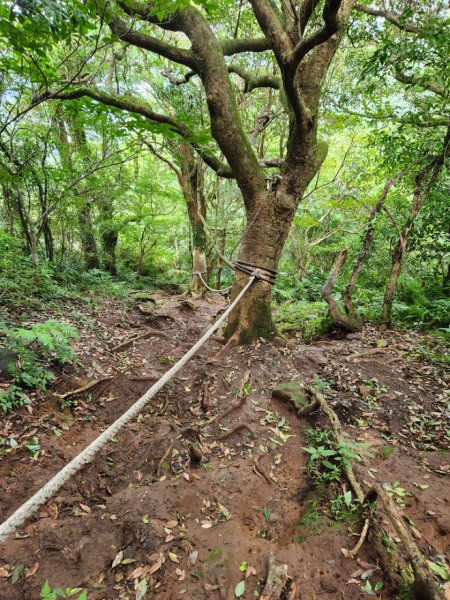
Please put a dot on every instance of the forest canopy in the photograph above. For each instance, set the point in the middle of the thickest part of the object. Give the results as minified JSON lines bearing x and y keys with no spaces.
{"x":140,"y":143}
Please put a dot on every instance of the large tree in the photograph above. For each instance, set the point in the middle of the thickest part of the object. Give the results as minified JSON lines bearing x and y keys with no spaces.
{"x":302,"y":37}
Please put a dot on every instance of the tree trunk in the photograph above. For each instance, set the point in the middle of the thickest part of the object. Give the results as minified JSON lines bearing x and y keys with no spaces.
{"x":365,"y":247}
{"x":191,"y":180}
{"x":424,"y":182}
{"x":88,"y":242}
{"x":345,"y":322}
{"x":110,"y":237}
{"x":267,"y":228}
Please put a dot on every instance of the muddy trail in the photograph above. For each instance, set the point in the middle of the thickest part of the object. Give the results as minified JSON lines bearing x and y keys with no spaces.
{"x":192,"y":498}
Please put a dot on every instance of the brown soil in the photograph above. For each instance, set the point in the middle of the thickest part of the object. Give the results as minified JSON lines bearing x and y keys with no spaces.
{"x":187,"y":526}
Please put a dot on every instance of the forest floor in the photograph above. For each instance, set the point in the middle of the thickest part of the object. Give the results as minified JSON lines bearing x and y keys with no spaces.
{"x":145,"y":509}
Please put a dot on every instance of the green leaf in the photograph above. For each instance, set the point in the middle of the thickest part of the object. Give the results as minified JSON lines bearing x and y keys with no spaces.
{"x":17,"y":573}
{"x":239,"y":590}
{"x":141,"y":589}
{"x":440,"y":570}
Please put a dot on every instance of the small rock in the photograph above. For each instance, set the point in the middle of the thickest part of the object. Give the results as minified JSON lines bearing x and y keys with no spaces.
{"x":292,"y":392}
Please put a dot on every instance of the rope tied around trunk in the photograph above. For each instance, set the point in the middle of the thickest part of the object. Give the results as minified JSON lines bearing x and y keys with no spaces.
{"x":85,"y":457}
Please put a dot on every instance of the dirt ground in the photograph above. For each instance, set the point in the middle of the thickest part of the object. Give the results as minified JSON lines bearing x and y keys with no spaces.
{"x":193,"y":505}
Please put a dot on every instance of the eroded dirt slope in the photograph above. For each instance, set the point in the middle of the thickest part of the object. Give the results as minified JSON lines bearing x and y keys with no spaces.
{"x":187,"y":494}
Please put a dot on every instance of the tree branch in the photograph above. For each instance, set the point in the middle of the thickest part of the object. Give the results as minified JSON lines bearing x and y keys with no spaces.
{"x":329,"y":28}
{"x":148,"y":42}
{"x":240,"y":45}
{"x":422,"y":82}
{"x":136,"y":106}
{"x":272,"y":28}
{"x":389,"y":16}
{"x":252,"y":82}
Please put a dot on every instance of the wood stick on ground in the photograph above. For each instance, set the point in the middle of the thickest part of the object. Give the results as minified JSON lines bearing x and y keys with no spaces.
{"x":88,"y":386}
{"x":339,"y":435}
{"x":259,"y":470}
{"x":276,"y":580}
{"x":369,"y":352}
{"x":361,"y":540}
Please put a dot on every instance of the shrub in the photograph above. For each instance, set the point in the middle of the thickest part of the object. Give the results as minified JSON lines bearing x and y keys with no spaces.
{"x":38,"y":348}
{"x":310,"y":319}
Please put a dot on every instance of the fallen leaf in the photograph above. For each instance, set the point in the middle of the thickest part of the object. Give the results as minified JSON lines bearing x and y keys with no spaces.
{"x":345,"y":552}
{"x":206,"y":524}
{"x":159,"y":562}
{"x":118,"y":559}
{"x":171,"y":524}
{"x":224,"y":510}
{"x":137,"y":573}
{"x":250,"y":571}
{"x":181,"y":574}
{"x":193,"y":556}
{"x":239,"y":590}
{"x":173,"y":557}
{"x":4,"y":572}
{"x":32,"y":570}
{"x":141,"y":589}
{"x":17,"y":573}
{"x":211,"y":588}
{"x":86,"y":508}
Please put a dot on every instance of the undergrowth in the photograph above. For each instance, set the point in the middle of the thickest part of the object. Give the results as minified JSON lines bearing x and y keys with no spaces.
{"x":30,"y":355}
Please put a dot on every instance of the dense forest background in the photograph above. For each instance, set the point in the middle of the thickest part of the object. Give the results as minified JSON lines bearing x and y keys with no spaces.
{"x":99,"y":195}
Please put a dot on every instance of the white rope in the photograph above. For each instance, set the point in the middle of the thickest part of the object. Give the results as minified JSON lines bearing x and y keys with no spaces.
{"x":46,"y":492}
{"x":199,"y":273}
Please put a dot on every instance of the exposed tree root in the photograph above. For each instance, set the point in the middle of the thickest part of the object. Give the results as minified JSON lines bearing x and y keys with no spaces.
{"x":233,"y":431}
{"x":425,"y":587}
{"x":88,"y":386}
{"x":236,"y":404}
{"x":142,"y":336}
{"x":259,"y":470}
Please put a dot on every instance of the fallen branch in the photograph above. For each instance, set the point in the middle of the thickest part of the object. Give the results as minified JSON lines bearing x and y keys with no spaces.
{"x":340,"y":439}
{"x":88,"y":386}
{"x":260,"y":471}
{"x":361,"y":540}
{"x":371,"y":351}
